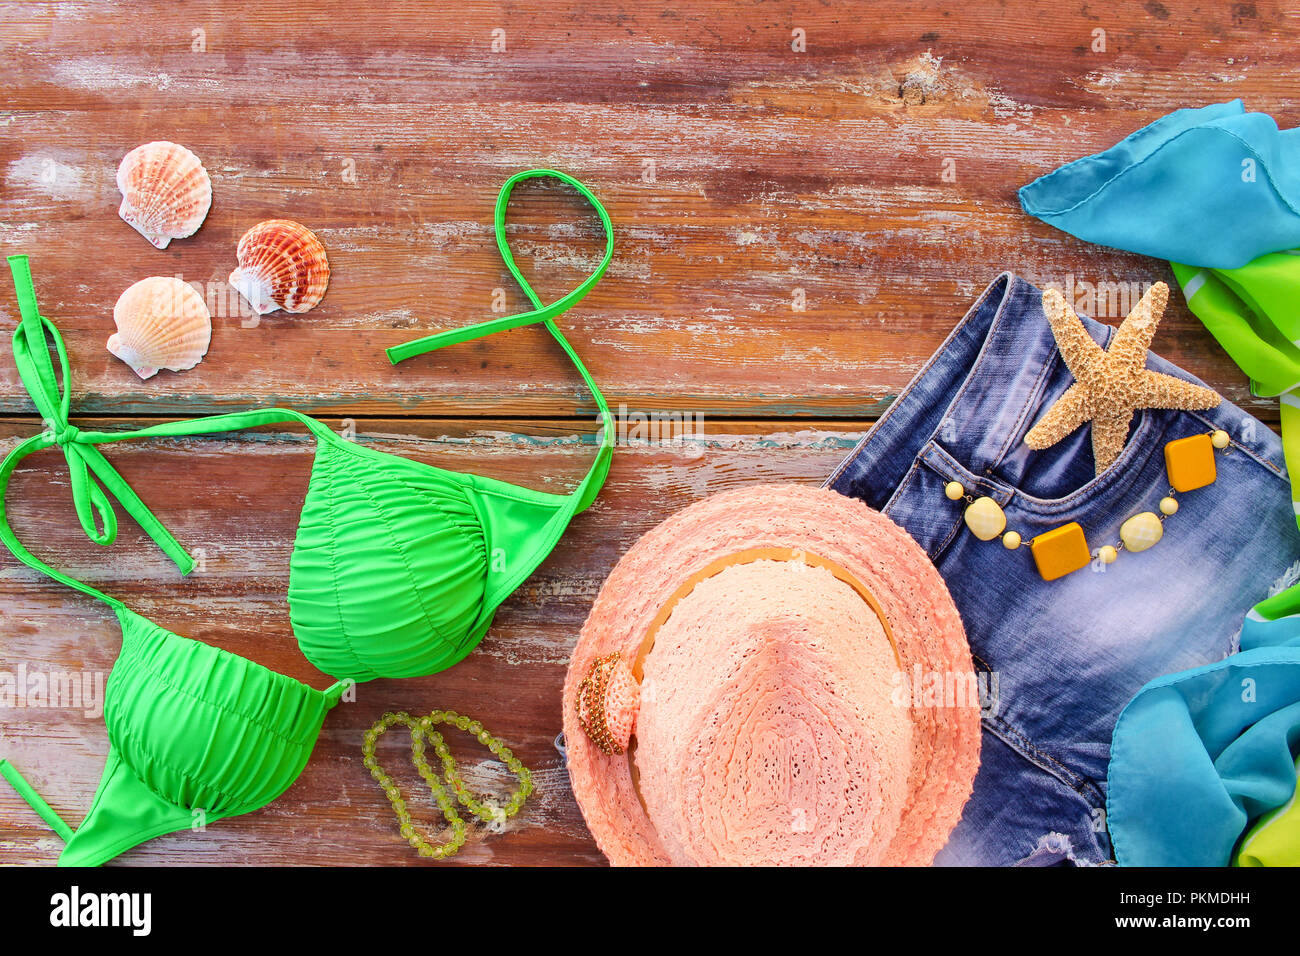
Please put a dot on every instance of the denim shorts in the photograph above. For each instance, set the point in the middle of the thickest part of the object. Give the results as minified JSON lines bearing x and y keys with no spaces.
{"x":1062,"y":658}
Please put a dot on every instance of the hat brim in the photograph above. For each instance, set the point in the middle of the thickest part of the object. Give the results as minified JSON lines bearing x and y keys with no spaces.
{"x":913,"y":598}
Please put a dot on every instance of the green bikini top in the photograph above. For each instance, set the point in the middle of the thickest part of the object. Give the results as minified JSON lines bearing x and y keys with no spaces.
{"x":397,"y":570}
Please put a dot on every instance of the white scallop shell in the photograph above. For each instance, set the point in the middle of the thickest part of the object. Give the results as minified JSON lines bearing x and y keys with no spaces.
{"x":162,"y":322}
{"x":282,"y":265}
{"x":166,"y":192}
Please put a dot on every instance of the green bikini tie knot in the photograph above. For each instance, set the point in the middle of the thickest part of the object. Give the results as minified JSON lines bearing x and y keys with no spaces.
{"x":66,"y":434}
{"x":93,"y":478}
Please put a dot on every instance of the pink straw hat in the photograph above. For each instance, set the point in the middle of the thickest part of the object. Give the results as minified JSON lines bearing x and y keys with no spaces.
{"x":741,"y":692}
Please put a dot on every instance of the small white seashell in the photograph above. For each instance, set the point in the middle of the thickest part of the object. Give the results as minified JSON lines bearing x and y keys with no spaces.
{"x":166,"y":192}
{"x":161,"y":323}
{"x":282,"y":265}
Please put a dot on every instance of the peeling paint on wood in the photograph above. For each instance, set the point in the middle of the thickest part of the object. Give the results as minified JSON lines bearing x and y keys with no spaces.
{"x":789,"y":251}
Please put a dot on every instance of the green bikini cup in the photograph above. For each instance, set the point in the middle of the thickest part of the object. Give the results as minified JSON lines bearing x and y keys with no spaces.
{"x":196,"y":734}
{"x":397,"y":571}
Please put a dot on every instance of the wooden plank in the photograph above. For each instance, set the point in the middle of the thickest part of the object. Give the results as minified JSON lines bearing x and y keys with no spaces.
{"x":774,"y":171}
{"x":237,"y":499}
{"x":789,"y":253}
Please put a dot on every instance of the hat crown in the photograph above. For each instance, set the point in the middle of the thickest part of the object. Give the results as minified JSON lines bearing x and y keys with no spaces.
{"x":760,"y":683}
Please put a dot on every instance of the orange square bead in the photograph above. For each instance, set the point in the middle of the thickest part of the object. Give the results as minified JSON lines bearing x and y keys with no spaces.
{"x":1190,"y":463}
{"x":1060,"y":551}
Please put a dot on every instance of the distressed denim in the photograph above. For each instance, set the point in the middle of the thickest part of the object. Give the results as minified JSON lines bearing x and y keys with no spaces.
{"x":1065,"y":656}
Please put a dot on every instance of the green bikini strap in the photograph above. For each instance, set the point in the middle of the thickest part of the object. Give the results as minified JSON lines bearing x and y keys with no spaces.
{"x":93,"y":478}
{"x":35,"y":800}
{"x":545,"y":314}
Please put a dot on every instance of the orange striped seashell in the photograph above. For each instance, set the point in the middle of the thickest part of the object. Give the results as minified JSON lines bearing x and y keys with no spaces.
{"x":166,"y":192}
{"x":282,"y":265}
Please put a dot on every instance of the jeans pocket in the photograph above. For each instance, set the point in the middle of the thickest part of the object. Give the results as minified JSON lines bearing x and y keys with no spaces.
{"x":920,"y":505}
{"x":1139,"y":463}
{"x":1135,"y":481}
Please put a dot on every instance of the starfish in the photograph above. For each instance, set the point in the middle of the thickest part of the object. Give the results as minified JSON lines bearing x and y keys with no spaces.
{"x":1111,"y":385}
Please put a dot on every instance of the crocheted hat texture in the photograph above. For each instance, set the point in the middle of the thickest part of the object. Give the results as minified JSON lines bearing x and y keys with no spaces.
{"x":774,"y":722}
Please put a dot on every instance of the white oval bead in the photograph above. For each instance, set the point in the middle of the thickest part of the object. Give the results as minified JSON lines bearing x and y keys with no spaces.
{"x":985,"y":519}
{"x":1141,"y":531}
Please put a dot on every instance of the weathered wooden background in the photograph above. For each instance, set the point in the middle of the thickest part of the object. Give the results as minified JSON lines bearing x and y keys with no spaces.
{"x":806,"y":197}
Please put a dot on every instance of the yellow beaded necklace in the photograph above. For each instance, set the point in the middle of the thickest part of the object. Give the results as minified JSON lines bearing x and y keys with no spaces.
{"x":1189,"y":463}
{"x":421,"y":728}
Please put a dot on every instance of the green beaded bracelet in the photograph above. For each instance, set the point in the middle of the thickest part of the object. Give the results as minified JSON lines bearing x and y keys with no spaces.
{"x":422,"y":728}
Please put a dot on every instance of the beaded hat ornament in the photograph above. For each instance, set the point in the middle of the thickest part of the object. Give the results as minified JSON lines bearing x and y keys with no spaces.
{"x":608,"y":698}
{"x":741,"y":692}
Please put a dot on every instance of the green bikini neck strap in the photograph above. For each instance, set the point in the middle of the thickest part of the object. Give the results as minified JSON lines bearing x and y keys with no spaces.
{"x":92,"y":478}
{"x":544,"y":314}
